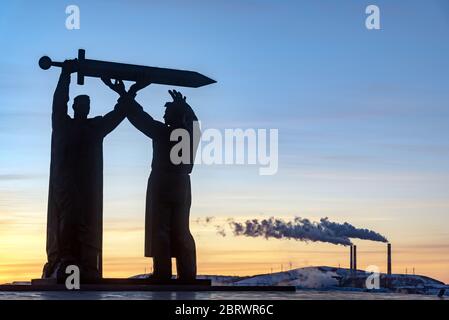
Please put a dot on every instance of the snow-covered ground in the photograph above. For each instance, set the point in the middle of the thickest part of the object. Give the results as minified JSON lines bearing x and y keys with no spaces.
{"x":316,"y":283}
{"x":330,"y":278}
{"x":308,"y":278}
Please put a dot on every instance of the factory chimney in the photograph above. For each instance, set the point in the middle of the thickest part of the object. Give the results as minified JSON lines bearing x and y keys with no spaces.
{"x":350,"y":258}
{"x":354,"y":258}
{"x":389,"y":259}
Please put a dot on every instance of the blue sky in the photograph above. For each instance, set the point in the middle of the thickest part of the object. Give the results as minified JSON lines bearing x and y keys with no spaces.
{"x":362,"y":115}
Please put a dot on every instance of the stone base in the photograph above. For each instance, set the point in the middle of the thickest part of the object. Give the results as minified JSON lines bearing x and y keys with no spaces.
{"x":137,"y":285}
{"x":125,"y":281}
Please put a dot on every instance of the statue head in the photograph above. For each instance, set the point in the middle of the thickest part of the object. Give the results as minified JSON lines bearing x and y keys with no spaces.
{"x":175,"y":114}
{"x":81,"y":106}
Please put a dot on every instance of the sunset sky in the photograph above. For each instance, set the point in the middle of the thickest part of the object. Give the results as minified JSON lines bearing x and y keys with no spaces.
{"x":363,"y":120}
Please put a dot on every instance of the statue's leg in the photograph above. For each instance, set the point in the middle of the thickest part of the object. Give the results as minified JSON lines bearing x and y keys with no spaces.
{"x":161,"y":242}
{"x":90,"y":256}
{"x":69,"y":223}
{"x":186,"y":258}
{"x":66,"y":209}
{"x":157,"y":231}
{"x":183,"y":242}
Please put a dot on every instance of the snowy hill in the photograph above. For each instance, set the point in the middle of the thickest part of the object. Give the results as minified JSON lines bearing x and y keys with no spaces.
{"x":330,"y":278}
{"x":309,"y":278}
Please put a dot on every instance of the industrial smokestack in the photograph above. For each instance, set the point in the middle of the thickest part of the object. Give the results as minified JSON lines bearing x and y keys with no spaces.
{"x":350,"y":257}
{"x":389,"y":259}
{"x":354,"y":258}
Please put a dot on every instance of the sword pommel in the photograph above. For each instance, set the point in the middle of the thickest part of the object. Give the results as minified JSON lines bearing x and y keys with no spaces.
{"x":45,"y":63}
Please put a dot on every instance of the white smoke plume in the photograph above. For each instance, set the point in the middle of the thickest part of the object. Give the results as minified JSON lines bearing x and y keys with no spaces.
{"x":303,"y":230}
{"x":349,"y":231}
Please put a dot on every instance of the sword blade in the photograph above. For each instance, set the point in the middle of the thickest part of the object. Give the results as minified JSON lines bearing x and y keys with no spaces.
{"x":123,"y":71}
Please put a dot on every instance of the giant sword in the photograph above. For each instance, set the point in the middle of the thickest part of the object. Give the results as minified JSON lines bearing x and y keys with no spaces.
{"x":131,"y":72}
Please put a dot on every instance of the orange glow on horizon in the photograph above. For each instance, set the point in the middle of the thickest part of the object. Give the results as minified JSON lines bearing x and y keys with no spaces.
{"x":23,"y":256}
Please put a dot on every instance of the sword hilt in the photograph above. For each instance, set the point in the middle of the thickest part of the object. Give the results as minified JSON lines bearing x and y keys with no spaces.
{"x":46,"y":63}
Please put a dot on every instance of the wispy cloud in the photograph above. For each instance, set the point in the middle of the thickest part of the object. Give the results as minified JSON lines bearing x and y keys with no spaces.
{"x":15,"y":176}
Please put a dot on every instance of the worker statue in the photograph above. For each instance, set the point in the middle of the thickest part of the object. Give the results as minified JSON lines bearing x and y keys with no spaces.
{"x":169,"y":196}
{"x":75,"y":201}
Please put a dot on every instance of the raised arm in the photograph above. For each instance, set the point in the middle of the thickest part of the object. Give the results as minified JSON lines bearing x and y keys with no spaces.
{"x":191,"y":120}
{"x":61,"y":95}
{"x":143,"y":121}
{"x":111,"y":120}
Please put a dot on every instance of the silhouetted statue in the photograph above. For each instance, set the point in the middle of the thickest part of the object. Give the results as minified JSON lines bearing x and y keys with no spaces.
{"x":75,"y":202}
{"x":168,"y":199}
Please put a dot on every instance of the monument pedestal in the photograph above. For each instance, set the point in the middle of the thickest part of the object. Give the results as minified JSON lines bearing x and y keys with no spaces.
{"x":126,"y":281}
{"x":111,"y":284}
